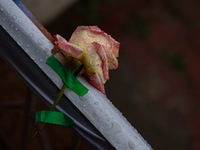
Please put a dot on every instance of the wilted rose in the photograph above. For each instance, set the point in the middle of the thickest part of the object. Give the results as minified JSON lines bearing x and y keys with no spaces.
{"x":95,"y":49}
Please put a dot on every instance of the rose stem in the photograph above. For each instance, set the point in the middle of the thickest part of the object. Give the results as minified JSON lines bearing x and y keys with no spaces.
{"x":76,"y":73}
{"x":38,"y":129}
{"x":58,"y":97}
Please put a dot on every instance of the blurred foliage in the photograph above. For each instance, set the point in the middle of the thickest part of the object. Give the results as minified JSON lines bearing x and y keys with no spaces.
{"x":176,"y":60}
{"x":174,"y":8}
{"x":90,"y":9}
{"x":138,"y":25}
{"x":197,"y":107}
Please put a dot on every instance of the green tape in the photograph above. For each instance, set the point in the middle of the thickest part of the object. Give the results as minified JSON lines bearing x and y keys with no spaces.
{"x":54,"y":117}
{"x":67,"y":77}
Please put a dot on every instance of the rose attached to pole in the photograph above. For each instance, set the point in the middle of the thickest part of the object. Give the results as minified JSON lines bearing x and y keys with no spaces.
{"x":91,"y":52}
{"x":97,"y":50}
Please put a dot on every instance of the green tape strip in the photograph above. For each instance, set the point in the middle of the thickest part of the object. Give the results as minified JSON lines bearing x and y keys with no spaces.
{"x":67,"y":77}
{"x":54,"y":117}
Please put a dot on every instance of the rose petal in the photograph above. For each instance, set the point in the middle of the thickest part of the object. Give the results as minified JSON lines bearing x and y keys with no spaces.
{"x":101,"y":52}
{"x":96,"y":82}
{"x":92,"y":61}
{"x":67,"y":47}
{"x":111,"y":59}
{"x":84,"y":35}
{"x":95,"y":29}
{"x":59,"y":38}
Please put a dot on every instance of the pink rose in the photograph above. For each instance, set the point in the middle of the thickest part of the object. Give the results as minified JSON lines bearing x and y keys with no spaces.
{"x":95,"y":49}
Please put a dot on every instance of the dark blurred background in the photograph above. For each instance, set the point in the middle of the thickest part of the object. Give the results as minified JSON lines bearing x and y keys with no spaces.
{"x":157,"y":84}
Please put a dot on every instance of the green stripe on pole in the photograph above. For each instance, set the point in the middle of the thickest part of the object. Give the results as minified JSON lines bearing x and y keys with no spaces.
{"x":54,"y":117}
{"x":67,"y":77}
